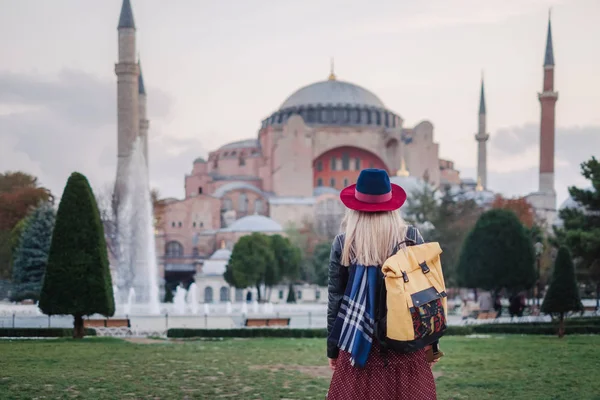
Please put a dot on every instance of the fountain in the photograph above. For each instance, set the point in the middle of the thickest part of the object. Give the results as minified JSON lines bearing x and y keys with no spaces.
{"x":130,"y":301}
{"x":192,"y":298}
{"x":137,"y":265}
{"x":179,"y":300}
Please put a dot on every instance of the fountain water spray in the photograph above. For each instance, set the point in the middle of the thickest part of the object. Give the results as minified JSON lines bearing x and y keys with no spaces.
{"x":179,"y":300}
{"x":137,"y":266}
{"x":192,"y":298}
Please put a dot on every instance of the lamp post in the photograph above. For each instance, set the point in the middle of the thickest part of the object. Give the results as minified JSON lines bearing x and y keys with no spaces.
{"x":539,"y":249}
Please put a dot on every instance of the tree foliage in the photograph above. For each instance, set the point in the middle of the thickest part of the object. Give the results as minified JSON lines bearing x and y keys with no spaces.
{"x":31,"y":254}
{"x":287,"y":261}
{"x":19,"y":195}
{"x":77,"y":280}
{"x":563,"y":293}
{"x":250,"y":259}
{"x":580,"y":230}
{"x":320,"y":261}
{"x":497,"y":253}
{"x":520,"y":206}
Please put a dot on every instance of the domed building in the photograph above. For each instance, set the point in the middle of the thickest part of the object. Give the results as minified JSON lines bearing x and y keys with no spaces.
{"x":291,"y":173}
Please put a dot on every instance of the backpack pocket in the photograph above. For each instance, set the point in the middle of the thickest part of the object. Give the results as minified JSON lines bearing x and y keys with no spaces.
{"x":427,"y":312}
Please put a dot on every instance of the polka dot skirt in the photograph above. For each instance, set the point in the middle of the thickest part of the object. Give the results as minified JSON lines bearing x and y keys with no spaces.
{"x":406,"y":377}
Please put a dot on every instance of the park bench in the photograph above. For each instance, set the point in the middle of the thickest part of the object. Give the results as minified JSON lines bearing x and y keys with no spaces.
{"x":106,"y":323}
{"x":260,"y":322}
{"x":487,"y":315}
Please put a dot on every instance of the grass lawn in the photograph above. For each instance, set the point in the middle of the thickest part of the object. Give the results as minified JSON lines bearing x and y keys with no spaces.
{"x":501,"y":367}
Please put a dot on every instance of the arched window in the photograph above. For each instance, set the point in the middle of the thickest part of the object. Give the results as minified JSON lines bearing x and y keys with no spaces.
{"x":173,"y":249}
{"x":320,"y":182}
{"x":243,"y":203}
{"x":224,"y":294}
{"x":378,"y":118}
{"x":332,"y":182}
{"x":345,"y":161}
{"x":208,"y":294}
{"x":227,"y":204}
{"x":364,"y":117}
{"x":354,"y":116}
{"x":258,"y":206}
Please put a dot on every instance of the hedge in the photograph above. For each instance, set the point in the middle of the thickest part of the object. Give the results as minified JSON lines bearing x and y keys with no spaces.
{"x":272,"y":332}
{"x":41,"y":332}
{"x":246,"y":333}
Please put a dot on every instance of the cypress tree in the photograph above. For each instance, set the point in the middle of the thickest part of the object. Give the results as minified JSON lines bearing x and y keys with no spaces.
{"x":563,"y":293}
{"x":31,"y":255}
{"x":77,"y":280}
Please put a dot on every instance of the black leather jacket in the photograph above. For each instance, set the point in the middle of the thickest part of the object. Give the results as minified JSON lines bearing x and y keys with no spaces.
{"x":338,"y":278}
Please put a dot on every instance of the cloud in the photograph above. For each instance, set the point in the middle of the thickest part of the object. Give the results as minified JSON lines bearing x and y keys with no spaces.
{"x":51,"y":127}
{"x":513,"y":158}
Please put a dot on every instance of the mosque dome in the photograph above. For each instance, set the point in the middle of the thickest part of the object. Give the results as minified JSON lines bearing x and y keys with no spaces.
{"x":199,"y":160}
{"x":332,"y":92}
{"x":255,"y":223}
{"x":334,"y":103}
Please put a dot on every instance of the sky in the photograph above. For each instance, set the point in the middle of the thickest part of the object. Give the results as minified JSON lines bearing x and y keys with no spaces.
{"x":214,"y":69}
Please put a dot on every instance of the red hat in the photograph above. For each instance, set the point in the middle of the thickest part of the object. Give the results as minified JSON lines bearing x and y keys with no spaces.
{"x":373,"y":192}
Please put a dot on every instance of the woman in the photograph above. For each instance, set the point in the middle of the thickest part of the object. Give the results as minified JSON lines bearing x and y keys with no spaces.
{"x":372,"y":231}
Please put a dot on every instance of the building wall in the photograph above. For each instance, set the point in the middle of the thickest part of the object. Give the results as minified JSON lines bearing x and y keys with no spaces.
{"x":292,"y":160}
{"x":292,"y":214}
{"x":422,"y":154}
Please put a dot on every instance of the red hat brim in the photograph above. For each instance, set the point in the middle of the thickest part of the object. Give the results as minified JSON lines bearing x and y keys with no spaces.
{"x":397,"y":200}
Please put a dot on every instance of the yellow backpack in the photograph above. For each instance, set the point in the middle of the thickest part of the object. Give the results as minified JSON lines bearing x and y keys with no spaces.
{"x":415,"y":298}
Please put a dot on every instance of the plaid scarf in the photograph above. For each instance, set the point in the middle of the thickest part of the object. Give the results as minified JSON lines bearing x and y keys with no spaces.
{"x":355,"y":322}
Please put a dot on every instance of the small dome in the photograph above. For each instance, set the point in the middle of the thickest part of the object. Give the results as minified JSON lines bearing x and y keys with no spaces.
{"x":199,"y":160}
{"x":221,"y":254}
{"x":241,"y":144}
{"x":332,"y":92}
{"x":214,"y":267}
{"x":255,"y":223}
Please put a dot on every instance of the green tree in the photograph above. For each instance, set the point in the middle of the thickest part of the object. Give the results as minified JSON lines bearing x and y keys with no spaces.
{"x":563,"y":293}
{"x":287,"y":258}
{"x":580,"y":230}
{"x":19,"y":195}
{"x":77,"y":280}
{"x":31,"y":254}
{"x":320,"y":262}
{"x":497,"y":254}
{"x":252,"y":255}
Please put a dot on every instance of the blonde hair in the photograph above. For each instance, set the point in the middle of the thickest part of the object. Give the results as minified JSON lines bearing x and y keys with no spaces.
{"x":371,"y":237}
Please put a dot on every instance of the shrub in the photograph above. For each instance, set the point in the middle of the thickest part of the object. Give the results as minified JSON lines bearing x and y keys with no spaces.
{"x":41,"y":332}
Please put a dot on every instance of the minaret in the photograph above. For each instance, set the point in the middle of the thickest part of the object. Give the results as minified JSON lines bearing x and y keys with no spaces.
{"x":548,"y":99}
{"x":482,"y":137}
{"x":144,"y":123}
{"x":127,"y":71}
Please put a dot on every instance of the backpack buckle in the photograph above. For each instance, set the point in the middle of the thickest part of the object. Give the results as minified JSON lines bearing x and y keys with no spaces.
{"x":424,"y":267}
{"x":405,"y":276}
